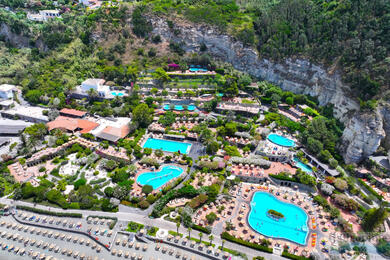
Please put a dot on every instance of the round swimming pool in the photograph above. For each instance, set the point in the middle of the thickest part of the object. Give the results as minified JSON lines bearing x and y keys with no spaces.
{"x":292,"y":227}
{"x":159,"y":178}
{"x":281,"y":140}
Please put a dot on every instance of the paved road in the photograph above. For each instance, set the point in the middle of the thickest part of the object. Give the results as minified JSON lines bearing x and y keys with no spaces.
{"x":142,"y":218}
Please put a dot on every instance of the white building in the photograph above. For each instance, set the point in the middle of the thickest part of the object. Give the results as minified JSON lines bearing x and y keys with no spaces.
{"x":44,"y":15}
{"x":7,"y":91}
{"x":97,"y":85}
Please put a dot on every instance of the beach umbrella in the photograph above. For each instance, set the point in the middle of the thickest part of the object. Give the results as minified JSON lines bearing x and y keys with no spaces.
{"x":32,"y":242}
{"x":127,"y":254}
{"x":134,"y":256}
{"x":81,"y":241}
{"x":94,"y":244}
{"x":131,"y":244}
{"x":137,"y":246}
{"x":63,"y":251}
{"x":76,"y":254}
{"x":113,"y":252}
{"x":145,"y":247}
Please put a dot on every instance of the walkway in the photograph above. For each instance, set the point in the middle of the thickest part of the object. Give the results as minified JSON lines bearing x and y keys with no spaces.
{"x":160,"y":223}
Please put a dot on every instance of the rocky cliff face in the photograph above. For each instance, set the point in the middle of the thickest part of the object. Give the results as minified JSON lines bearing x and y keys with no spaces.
{"x":18,"y":40}
{"x":363,"y":133}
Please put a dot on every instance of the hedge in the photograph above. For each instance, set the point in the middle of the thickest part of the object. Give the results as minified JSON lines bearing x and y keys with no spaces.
{"x":228,"y":237}
{"x":371,"y":190}
{"x":201,"y":229}
{"x":51,"y":213}
{"x":294,"y":257}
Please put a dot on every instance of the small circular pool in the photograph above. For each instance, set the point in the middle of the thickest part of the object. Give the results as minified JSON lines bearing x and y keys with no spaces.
{"x":281,"y":140}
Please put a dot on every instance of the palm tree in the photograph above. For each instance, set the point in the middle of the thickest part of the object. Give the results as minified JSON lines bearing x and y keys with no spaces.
{"x":223,"y":243}
{"x":189,"y":233}
{"x":177,"y":227}
{"x":211,"y":238}
{"x":200,"y":237}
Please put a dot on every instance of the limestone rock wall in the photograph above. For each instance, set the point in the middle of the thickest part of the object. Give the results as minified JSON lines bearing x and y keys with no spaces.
{"x":363,"y":133}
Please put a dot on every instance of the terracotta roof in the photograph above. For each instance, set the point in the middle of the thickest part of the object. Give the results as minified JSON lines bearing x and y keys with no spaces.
{"x":73,"y":112}
{"x":113,"y":134}
{"x":72,"y":124}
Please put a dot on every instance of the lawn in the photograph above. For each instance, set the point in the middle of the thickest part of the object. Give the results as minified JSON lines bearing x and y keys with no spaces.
{"x":134,"y":227}
{"x":152,"y":231}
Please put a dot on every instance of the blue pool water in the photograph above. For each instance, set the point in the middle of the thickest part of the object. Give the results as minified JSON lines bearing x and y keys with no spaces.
{"x":281,"y":140}
{"x":293,"y":227}
{"x":179,"y":107}
{"x":114,"y":93}
{"x":198,"y":69}
{"x":220,"y":94}
{"x":167,"y":145}
{"x":158,"y":179}
{"x":302,"y":166}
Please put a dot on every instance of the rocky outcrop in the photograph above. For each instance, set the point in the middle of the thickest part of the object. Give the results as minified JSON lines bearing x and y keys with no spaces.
{"x":363,"y":133}
{"x":20,"y":40}
{"x":362,"y":136}
{"x":16,"y":39}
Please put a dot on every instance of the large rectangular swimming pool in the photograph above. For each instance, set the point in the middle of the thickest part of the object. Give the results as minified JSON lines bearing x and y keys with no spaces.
{"x":168,"y":145}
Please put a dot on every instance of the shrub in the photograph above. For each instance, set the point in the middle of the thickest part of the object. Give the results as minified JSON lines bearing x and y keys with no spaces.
{"x":340,"y":184}
{"x":143,"y":204}
{"x":206,"y":230}
{"x":198,"y":200}
{"x":294,"y":257}
{"x":146,"y":189}
{"x":50,"y":213}
{"x":230,"y":238}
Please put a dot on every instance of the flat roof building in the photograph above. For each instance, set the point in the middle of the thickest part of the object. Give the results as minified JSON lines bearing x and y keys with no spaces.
{"x":7,"y":91}
{"x":27,"y":113}
{"x":10,"y":127}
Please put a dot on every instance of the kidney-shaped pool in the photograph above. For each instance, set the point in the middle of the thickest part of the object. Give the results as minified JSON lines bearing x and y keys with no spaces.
{"x":292,"y":227}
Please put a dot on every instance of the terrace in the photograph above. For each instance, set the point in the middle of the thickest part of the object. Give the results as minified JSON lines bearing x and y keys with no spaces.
{"x":248,"y":109}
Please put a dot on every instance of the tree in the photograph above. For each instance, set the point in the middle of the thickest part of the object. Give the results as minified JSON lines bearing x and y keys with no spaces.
{"x":167,"y":119}
{"x":212,"y":148}
{"x":290,"y":101}
{"x":141,"y":26}
{"x":327,"y":189}
{"x":110,"y":165}
{"x":147,"y":189}
{"x":230,"y":128}
{"x":315,"y":146}
{"x":211,"y":238}
{"x":109,"y":191}
{"x":373,"y":218}
{"x":160,"y":76}
{"x":177,"y":226}
{"x":211,"y":217}
{"x":223,"y":243}
{"x":142,"y":115}
{"x":340,"y":184}
{"x":200,"y":237}
{"x":189,"y":232}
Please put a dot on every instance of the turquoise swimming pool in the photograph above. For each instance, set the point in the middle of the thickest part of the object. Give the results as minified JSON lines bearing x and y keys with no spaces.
{"x":281,"y":140}
{"x":119,"y":94}
{"x":168,"y":145}
{"x":293,"y":227}
{"x":302,"y":166}
{"x":180,"y":107}
{"x":158,"y":179}
{"x":198,"y":69}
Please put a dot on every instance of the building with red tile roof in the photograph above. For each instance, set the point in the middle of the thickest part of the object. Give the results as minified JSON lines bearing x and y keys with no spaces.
{"x":72,"y":113}
{"x":72,"y":124}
